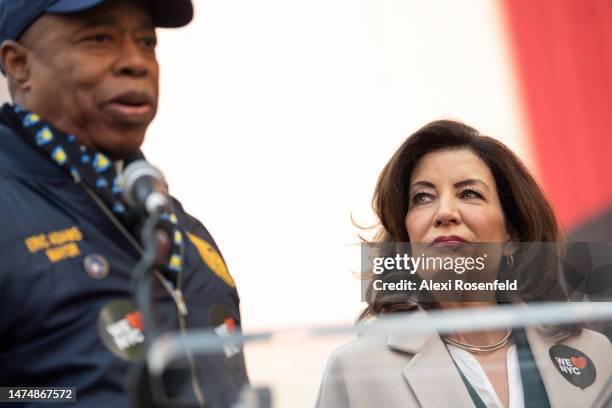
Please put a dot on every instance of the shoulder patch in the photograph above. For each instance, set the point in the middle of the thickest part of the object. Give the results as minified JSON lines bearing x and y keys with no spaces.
{"x":212,"y":259}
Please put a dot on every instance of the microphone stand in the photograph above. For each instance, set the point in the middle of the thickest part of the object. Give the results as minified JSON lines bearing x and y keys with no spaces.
{"x":150,"y":390}
{"x":141,"y":276}
{"x":142,"y":291}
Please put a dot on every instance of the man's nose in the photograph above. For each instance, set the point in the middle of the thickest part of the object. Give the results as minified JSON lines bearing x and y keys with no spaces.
{"x":447,"y":212}
{"x":132,"y":60}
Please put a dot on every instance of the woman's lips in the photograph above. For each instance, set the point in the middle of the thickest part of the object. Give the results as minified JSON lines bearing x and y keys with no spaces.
{"x":449,"y":241}
{"x":446,"y":244}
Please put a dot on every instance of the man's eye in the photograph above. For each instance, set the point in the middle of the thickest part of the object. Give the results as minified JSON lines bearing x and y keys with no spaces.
{"x":100,"y":38}
{"x":149,"y":42}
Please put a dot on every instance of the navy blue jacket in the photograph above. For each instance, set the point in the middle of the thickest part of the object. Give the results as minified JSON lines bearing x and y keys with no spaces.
{"x":50,"y":307}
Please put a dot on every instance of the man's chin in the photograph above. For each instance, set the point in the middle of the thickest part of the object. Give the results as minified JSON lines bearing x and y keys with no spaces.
{"x":121,"y":144}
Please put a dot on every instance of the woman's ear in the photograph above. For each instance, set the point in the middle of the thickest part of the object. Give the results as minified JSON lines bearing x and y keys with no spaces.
{"x":509,"y":248}
{"x":511,"y":240}
{"x":14,"y":59}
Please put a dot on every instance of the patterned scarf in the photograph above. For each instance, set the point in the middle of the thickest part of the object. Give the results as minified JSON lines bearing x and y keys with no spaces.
{"x":94,"y":169}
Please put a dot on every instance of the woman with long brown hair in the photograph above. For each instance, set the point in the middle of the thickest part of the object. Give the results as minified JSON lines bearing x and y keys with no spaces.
{"x":448,"y":188}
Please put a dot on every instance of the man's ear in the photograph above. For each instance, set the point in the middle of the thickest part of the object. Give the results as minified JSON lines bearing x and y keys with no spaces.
{"x":14,"y":59}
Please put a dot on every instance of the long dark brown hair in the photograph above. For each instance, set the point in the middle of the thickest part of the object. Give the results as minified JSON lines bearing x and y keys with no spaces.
{"x":528,"y":214}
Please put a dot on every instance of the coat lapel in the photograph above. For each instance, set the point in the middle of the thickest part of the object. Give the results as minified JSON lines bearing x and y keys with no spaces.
{"x":561,"y":393}
{"x":553,"y":382}
{"x":433,"y":378}
{"x":431,"y":373}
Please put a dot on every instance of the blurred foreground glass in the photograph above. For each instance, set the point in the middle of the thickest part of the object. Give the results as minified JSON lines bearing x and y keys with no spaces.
{"x":373,"y":360}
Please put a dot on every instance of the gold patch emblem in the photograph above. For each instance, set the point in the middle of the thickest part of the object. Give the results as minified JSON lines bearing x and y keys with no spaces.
{"x":213,"y":259}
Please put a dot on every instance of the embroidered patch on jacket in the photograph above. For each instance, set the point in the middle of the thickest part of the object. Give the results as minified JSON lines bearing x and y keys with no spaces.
{"x":212,"y":259}
{"x":58,"y":245}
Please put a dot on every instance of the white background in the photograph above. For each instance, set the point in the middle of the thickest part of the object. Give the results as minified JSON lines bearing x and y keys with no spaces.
{"x":277,"y":116}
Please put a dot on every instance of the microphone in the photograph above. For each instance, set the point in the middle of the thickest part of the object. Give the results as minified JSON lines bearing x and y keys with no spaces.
{"x":145,"y":188}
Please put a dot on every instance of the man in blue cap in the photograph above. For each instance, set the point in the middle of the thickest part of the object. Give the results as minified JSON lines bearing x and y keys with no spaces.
{"x":83,"y":77}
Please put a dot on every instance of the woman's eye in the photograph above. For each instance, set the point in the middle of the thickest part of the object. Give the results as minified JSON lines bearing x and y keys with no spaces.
{"x":420,"y":198}
{"x":470,"y":194}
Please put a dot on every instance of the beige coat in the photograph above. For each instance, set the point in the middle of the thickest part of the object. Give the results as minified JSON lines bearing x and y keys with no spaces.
{"x":417,"y":371}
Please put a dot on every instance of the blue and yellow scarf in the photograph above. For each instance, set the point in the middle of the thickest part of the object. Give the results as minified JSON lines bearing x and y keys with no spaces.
{"x":94,"y":169}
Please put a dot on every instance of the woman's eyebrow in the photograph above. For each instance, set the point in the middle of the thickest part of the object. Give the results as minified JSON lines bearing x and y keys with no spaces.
{"x":469,"y":182}
{"x":422,"y":183}
{"x":459,"y":184}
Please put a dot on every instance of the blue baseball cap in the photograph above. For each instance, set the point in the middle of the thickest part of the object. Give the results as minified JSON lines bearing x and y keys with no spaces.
{"x":17,"y":15}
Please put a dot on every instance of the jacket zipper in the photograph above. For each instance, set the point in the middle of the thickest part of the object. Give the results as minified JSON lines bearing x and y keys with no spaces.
{"x":176,"y":294}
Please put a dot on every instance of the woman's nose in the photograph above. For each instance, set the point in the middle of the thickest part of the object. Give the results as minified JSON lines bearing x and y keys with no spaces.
{"x":447,"y":212}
